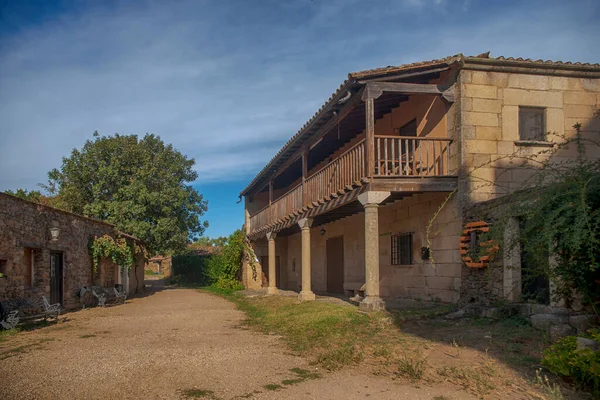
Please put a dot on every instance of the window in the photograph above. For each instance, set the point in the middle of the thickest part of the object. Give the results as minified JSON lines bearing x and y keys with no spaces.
{"x":3,"y":268}
{"x":532,"y":124}
{"x":402,"y":249}
{"x":409,"y":129}
{"x":28,"y":268}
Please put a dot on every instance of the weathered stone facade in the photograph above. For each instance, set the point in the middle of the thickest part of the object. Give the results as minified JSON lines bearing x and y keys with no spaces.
{"x":483,"y":123}
{"x":25,"y":227}
{"x":160,"y":265}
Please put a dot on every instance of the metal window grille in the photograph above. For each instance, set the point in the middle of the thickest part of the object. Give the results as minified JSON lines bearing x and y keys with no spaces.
{"x":402,"y":249}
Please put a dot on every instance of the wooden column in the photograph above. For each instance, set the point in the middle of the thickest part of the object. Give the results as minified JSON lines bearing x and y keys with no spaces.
{"x":369,"y":96}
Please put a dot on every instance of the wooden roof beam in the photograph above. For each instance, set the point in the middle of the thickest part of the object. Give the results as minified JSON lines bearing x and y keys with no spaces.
{"x":375,"y":89}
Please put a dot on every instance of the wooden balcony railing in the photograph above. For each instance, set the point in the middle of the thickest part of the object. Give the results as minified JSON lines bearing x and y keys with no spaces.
{"x":394,"y":156}
{"x":287,"y":204}
{"x":344,"y":170}
{"x":411,"y":156}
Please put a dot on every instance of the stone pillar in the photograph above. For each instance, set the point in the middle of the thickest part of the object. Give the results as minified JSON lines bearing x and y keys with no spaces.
{"x":370,"y":200}
{"x":511,"y":258}
{"x":306,"y":293}
{"x":272,"y":288}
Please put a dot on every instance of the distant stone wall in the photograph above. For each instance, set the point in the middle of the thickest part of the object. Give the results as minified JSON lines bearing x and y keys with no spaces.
{"x":25,"y":226}
{"x":160,"y":265}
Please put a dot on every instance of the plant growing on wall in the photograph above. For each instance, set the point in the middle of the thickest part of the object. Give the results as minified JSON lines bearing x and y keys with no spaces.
{"x":119,"y":250}
{"x":558,"y":209}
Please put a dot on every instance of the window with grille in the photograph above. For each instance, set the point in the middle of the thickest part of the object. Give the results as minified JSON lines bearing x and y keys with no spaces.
{"x":532,"y":124}
{"x":402,"y":249}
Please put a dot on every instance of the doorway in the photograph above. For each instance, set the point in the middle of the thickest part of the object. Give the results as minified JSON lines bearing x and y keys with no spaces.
{"x":56,"y":278}
{"x":335,"y":265}
{"x":264,"y":263}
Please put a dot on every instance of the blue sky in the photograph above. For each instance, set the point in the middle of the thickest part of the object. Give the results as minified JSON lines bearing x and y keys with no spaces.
{"x":228,"y":82}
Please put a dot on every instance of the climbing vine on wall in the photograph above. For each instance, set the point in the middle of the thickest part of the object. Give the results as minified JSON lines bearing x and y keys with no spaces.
{"x":118,"y":250}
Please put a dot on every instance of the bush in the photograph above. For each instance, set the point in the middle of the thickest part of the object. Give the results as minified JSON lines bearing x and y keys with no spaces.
{"x":191,"y":269}
{"x":223,"y":269}
{"x":580,"y":366}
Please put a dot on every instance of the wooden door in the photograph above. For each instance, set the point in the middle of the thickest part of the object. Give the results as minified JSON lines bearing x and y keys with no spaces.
{"x":56,"y":278}
{"x":335,"y":265}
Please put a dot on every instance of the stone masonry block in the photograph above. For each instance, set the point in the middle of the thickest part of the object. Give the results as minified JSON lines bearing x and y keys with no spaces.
{"x":481,"y":146}
{"x":488,"y":133}
{"x":510,"y":122}
{"x":468,"y":132}
{"x":588,"y":98}
{"x":534,"y":98}
{"x":480,"y":91}
{"x":579,"y":111}
{"x":480,"y":118}
{"x":486,"y":105}
{"x":555,"y":120}
{"x":506,"y":147}
{"x":440,"y":282}
{"x":522,"y":81}
{"x":499,"y":79}
{"x":564,"y":83}
{"x":592,"y":85}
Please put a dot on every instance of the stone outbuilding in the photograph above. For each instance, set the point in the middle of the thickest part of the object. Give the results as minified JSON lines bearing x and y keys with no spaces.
{"x":45,"y":251}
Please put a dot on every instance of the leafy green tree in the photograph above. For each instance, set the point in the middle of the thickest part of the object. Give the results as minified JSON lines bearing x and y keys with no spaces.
{"x":139,"y":185}
{"x":31,"y":195}
{"x":208,"y":241}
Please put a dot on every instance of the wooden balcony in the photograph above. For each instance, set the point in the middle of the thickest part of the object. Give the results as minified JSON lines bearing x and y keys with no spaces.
{"x":396,"y":159}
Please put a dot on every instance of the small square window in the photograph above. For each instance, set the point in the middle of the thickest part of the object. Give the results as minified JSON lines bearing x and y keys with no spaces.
{"x":402,"y":249}
{"x":532,"y":124}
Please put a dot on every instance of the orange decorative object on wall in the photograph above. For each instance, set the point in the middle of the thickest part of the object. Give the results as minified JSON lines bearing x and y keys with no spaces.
{"x":486,"y":251}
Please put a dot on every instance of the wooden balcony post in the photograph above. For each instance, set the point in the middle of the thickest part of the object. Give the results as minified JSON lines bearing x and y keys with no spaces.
{"x":304,"y":175}
{"x":369,"y":96}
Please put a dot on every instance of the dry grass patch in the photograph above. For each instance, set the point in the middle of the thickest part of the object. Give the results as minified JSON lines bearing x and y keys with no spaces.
{"x":492,"y":360}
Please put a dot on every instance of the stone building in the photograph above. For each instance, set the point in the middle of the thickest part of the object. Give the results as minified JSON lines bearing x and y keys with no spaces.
{"x":44,"y":252}
{"x":348,"y":204}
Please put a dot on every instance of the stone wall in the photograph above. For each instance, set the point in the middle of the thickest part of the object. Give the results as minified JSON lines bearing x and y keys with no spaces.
{"x":26,"y":225}
{"x":438,"y":279}
{"x":160,"y":265}
{"x":489,"y":124}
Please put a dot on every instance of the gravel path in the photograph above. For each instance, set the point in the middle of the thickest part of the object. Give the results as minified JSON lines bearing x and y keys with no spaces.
{"x":170,"y":341}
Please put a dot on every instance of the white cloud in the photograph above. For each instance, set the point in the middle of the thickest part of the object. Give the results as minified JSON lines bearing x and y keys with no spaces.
{"x":228,"y":84}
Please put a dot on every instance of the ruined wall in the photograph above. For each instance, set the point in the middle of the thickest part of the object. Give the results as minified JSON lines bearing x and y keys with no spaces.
{"x":27,"y":225}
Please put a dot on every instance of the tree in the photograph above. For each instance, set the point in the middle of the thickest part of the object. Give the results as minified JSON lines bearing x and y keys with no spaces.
{"x":208,"y":241}
{"x":30,"y":195}
{"x":141,"y":186}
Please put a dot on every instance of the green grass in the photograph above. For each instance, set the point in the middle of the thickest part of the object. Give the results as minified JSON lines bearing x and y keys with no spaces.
{"x":337,"y":334}
{"x":4,"y":335}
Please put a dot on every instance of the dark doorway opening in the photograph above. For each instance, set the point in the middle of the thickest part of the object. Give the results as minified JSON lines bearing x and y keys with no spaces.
{"x":56,"y":278}
{"x":335,"y":265}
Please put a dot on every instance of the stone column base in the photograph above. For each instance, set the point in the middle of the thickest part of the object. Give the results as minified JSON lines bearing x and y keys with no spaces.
{"x":272,"y":290}
{"x":306,"y":296}
{"x":372,"y":303}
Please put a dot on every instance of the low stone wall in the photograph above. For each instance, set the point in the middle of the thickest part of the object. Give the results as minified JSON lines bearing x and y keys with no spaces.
{"x":556,"y":321}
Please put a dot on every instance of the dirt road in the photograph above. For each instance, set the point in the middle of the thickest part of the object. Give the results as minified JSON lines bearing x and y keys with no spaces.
{"x":175,"y":343}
